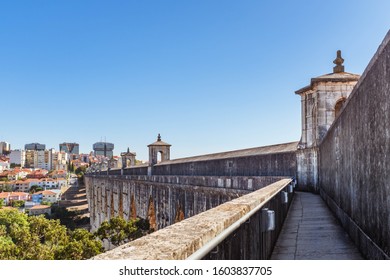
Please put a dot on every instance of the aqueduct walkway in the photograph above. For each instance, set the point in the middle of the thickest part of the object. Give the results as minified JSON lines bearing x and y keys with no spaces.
{"x":243,"y":229}
{"x":312,"y":232}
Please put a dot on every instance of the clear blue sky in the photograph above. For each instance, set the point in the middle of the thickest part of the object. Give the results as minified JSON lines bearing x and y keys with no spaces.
{"x":208,"y":75}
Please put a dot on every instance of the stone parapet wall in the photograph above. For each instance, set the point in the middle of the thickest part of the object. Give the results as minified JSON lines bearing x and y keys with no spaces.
{"x":277,"y":164}
{"x":307,"y":169}
{"x":162,"y":200}
{"x":354,"y":169}
{"x":249,"y":183}
{"x":274,"y":160}
{"x":182,"y":239}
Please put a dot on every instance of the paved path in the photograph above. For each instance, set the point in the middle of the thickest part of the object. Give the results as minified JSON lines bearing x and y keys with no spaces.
{"x":311,"y":232}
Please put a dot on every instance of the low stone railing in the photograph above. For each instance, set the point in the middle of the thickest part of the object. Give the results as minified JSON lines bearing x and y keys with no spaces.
{"x":238,"y":229}
{"x":249,"y":183}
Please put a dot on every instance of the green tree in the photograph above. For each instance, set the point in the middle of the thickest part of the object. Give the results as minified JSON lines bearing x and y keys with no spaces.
{"x":8,"y":248}
{"x":81,"y":170}
{"x":51,"y":237}
{"x":37,"y":238}
{"x":9,"y":217}
{"x":1,"y":203}
{"x":17,"y":203}
{"x":35,"y":188}
{"x":119,"y":231}
{"x":46,"y":203}
{"x":5,"y":188}
{"x":67,"y":218}
{"x":83,"y":245}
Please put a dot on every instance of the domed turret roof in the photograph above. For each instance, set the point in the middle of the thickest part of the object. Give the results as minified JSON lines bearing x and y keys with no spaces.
{"x":159,"y":142}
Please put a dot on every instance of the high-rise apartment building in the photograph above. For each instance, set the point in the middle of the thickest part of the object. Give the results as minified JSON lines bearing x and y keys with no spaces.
{"x":35,"y":147}
{"x":30,"y":158}
{"x":5,"y":148}
{"x":70,"y":148}
{"x":103,"y":149}
{"x":39,"y":159}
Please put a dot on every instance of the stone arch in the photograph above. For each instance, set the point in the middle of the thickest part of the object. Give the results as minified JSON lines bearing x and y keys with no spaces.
{"x":112,"y":212}
{"x":133,"y":208}
{"x":152,"y":214}
{"x":105,"y":206}
{"x":179,"y":213}
{"x":120,"y":208}
{"x":339,"y":105}
{"x":160,"y":156}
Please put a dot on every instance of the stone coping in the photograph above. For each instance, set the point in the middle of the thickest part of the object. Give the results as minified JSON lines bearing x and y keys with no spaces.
{"x":180,"y":240}
{"x":259,"y":151}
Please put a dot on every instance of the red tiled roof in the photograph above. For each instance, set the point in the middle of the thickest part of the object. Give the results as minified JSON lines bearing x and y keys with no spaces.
{"x":46,"y":192}
{"x":8,"y":194}
{"x":40,"y":207}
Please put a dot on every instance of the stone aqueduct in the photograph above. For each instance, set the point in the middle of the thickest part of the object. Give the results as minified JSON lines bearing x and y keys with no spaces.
{"x":343,"y":154}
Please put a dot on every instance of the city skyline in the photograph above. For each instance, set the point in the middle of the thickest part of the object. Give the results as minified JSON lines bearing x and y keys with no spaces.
{"x":209,"y":77}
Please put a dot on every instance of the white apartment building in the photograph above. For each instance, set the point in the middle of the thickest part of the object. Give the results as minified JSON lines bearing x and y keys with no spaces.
{"x":59,"y":160}
{"x":43,"y":159}
{"x":46,"y":184}
{"x":47,"y":159}
{"x":4,"y":165}
{"x":18,"y":157}
{"x":50,"y":196}
{"x":39,"y":159}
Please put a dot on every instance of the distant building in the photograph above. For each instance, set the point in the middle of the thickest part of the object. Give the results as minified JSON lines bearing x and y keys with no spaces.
{"x":103,"y":149}
{"x":58,"y":174}
{"x":4,"y":165}
{"x":8,"y":197}
{"x":40,"y":210}
{"x":18,"y":157}
{"x":5,"y":148}
{"x":35,"y":147}
{"x":14,"y":174}
{"x":37,"y":174}
{"x":49,"y":196}
{"x":37,"y":198}
{"x":84,"y":158}
{"x":39,"y":159}
{"x":44,"y":159}
{"x":29,"y":159}
{"x":59,"y":160}
{"x":23,"y":185}
{"x":70,"y":148}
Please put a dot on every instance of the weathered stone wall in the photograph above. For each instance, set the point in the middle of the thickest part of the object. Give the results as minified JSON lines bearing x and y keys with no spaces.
{"x":307,"y":169}
{"x":249,"y":183}
{"x":134,"y":170}
{"x":181,"y":240}
{"x":164,"y":200}
{"x":354,"y":170}
{"x":270,"y":164}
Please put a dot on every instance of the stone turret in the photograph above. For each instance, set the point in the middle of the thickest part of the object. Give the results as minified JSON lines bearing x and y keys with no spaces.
{"x":321,"y":102}
{"x":128,"y":158}
{"x":156,"y":148}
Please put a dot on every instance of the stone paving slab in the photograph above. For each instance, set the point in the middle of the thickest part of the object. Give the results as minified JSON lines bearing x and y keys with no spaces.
{"x":311,"y":232}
